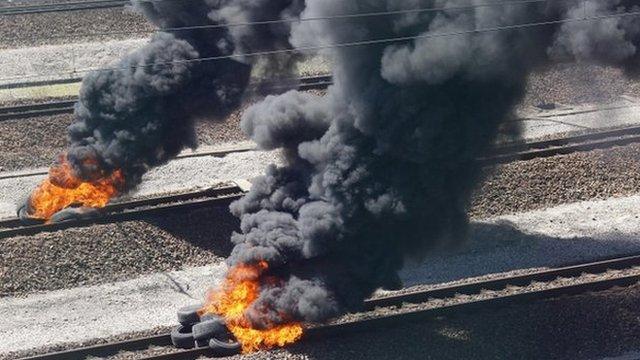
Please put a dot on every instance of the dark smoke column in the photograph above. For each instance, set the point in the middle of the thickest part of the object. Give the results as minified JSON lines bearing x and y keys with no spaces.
{"x":140,"y":114}
{"x":382,"y":168}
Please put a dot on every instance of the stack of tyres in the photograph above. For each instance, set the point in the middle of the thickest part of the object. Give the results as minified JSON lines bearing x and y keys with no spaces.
{"x":206,"y":331}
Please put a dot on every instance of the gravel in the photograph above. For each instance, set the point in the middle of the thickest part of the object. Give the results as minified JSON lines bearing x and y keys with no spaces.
{"x":545,"y":182}
{"x":33,"y":142}
{"x":71,"y":26}
{"x":36,"y":142}
{"x":113,"y":252}
{"x":8,"y":102}
{"x":573,"y":84}
{"x":578,"y":327}
{"x":70,"y":345}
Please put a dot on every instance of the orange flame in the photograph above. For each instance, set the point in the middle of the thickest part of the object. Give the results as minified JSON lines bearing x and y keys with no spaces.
{"x":239,"y":290}
{"x":63,"y":189}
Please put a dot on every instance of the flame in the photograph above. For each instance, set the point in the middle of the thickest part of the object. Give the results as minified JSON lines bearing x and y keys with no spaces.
{"x":238,"y":291}
{"x":62,"y":189}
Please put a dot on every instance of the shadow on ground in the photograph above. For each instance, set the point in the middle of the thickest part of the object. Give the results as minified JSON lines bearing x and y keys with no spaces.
{"x":580,"y":327}
{"x":501,"y":247}
{"x":209,"y":229}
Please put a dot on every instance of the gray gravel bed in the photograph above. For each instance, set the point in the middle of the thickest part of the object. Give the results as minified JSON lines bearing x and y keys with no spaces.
{"x":35,"y":142}
{"x":27,"y":143}
{"x":38,"y":29}
{"x":73,"y":345}
{"x":211,"y":132}
{"x":14,"y":3}
{"x":152,"y":351}
{"x":578,"y":327}
{"x":114,"y":252}
{"x":573,"y":84}
{"x":545,"y":182}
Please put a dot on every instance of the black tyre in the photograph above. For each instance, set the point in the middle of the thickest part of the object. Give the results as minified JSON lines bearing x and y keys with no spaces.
{"x":188,"y":315}
{"x":202,"y":343}
{"x":182,"y":338}
{"x":23,"y":210}
{"x":209,"y":329}
{"x":70,"y":214}
{"x":225,"y":348}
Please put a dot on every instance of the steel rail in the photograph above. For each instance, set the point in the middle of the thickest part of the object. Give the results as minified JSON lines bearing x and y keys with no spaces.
{"x":416,"y":297}
{"x":564,"y":146}
{"x":33,"y":110}
{"x":218,"y":152}
{"x":600,"y":135}
{"x":67,"y":106}
{"x":502,"y":154}
{"x":60,"y":7}
{"x":132,"y":210}
{"x":26,"y":84}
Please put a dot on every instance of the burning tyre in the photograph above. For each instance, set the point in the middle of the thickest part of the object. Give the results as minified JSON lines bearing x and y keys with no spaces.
{"x":64,"y":195}
{"x":208,"y":329}
{"x":24,"y":213}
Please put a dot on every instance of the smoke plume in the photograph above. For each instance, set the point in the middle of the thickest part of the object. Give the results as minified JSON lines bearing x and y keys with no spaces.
{"x":140,"y":113}
{"x":381,"y":168}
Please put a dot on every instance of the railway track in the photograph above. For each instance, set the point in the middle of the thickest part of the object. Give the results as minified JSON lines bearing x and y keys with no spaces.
{"x":67,"y":106}
{"x":33,"y":110}
{"x":562,"y":146}
{"x":62,"y":6}
{"x":137,"y":209}
{"x":405,"y":309}
{"x":502,"y":154}
{"x":221,"y":195}
{"x":218,"y":152}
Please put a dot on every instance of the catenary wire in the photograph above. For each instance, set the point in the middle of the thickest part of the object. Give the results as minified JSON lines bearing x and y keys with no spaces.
{"x":343,"y":45}
{"x":296,"y":20}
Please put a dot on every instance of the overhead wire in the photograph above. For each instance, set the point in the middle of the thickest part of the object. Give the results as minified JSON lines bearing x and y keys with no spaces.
{"x":350,"y":44}
{"x":300,"y":20}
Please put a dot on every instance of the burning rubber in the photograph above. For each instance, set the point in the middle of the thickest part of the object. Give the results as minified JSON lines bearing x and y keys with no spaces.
{"x":24,"y":212}
{"x":210,"y":331}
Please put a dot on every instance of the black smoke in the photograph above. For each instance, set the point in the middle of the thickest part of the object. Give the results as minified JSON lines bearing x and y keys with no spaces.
{"x":381,"y":169}
{"x":140,"y":113}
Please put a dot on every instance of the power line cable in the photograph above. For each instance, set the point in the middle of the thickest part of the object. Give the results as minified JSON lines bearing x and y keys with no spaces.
{"x":351,"y":44}
{"x":300,"y":20}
